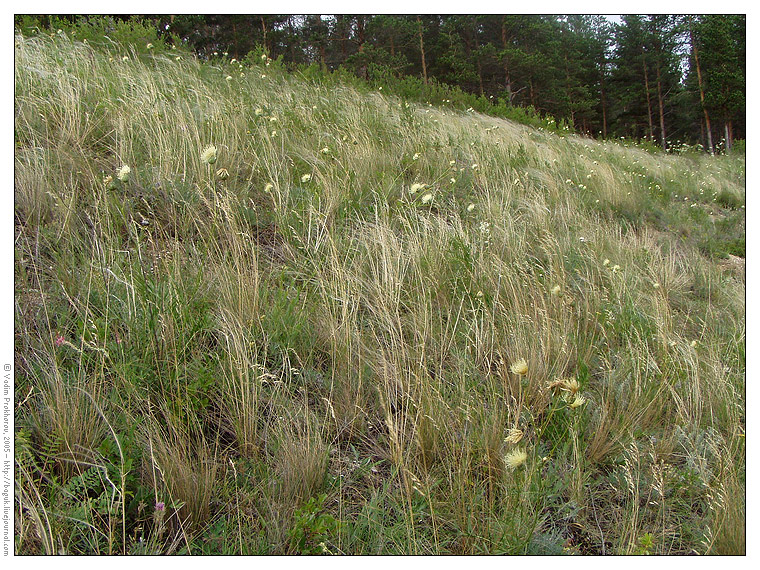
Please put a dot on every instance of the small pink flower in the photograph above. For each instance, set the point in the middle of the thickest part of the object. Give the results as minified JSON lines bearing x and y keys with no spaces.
{"x":160,"y":506}
{"x":59,"y":340}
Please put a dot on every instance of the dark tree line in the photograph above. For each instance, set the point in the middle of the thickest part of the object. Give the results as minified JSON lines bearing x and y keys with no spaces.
{"x":665,"y":78}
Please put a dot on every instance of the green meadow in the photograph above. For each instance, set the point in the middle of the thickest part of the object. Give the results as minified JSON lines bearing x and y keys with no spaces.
{"x":262,"y":312}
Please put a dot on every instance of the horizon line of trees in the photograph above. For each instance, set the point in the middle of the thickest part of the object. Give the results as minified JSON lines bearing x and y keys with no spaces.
{"x":668,"y":79}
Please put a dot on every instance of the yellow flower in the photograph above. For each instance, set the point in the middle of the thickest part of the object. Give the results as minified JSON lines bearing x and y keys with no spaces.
{"x":209,"y":154}
{"x":515,"y":459}
{"x":258,"y":112}
{"x":268,"y":188}
{"x":606,"y":262}
{"x":123,"y":173}
{"x":108,"y":182}
{"x":520,"y":367}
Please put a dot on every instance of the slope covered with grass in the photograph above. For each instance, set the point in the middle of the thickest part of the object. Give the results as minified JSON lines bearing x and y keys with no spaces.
{"x":306,"y":319}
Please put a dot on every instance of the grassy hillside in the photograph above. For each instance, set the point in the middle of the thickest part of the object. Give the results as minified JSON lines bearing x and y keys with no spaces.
{"x":260,"y":315}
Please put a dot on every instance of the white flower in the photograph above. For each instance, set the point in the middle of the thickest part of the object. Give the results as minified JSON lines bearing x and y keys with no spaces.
{"x":427,"y":197}
{"x":305,"y":178}
{"x":470,"y":207}
{"x":416,"y":156}
{"x":579,"y":401}
{"x":258,"y":112}
{"x":149,"y":46}
{"x":515,"y":458}
{"x":520,"y":367}
{"x":123,"y":173}
{"x":416,"y":187}
{"x":209,"y":154}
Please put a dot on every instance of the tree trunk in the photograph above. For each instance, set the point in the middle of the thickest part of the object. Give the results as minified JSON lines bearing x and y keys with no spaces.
{"x":568,"y":92}
{"x":729,"y":135}
{"x":604,"y":106}
{"x":507,"y":80}
{"x":264,"y":30}
{"x":661,"y":104}
{"x":422,"y":51}
{"x":649,"y":102}
{"x":701,"y":90}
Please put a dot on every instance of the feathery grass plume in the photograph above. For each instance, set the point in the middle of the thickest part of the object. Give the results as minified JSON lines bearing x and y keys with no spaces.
{"x":515,"y":459}
{"x":123,"y":173}
{"x":209,"y":154}
{"x":519,"y":367}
